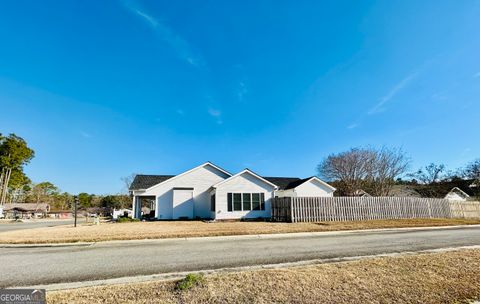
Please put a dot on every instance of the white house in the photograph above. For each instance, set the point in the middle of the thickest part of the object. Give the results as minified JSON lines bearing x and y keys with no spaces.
{"x":121,"y":212}
{"x":208,"y":191}
{"x":457,"y":194}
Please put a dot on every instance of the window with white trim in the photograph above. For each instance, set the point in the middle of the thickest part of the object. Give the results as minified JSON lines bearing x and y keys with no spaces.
{"x":245,"y":201}
{"x":212,"y":203}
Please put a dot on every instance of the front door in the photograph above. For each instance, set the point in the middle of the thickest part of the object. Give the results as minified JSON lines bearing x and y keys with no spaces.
{"x":182,"y":203}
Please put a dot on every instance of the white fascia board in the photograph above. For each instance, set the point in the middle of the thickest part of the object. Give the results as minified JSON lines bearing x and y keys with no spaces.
{"x":458,"y":190}
{"x":322,"y":182}
{"x":186,"y":172}
{"x":249,"y":172}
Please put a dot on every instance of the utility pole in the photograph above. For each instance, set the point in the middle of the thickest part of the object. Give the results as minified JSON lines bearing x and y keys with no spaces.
{"x":75,"y":205}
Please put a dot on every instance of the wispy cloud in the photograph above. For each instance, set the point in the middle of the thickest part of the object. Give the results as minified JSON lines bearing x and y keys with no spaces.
{"x":214,"y":112}
{"x":85,"y":134}
{"x":353,"y":126}
{"x":153,"y":22}
{"x":217,"y":114}
{"x":242,"y":90}
{"x":439,"y":96}
{"x":167,"y":34}
{"x":476,"y":75}
{"x":180,"y":112}
{"x":379,"y":107}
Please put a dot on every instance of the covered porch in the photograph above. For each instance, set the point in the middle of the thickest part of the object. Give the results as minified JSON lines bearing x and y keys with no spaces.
{"x":144,"y":207}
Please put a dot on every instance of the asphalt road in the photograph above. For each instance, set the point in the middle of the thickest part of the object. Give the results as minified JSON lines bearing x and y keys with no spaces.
{"x":33,"y":266}
{"x":30,"y":225}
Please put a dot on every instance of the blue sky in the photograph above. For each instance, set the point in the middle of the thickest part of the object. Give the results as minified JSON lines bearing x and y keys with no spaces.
{"x":101,"y":90}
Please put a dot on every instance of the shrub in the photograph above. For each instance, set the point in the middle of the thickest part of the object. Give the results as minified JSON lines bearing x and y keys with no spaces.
{"x":126,"y":220}
{"x":191,"y":280}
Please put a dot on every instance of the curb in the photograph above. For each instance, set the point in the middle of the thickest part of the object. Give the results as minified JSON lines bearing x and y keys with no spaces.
{"x":47,"y":245}
{"x":241,"y":237}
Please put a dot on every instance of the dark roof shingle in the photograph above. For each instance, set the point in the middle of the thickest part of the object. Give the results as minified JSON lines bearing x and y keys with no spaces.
{"x":142,"y":181}
{"x":146,"y":181}
{"x":285,"y":182}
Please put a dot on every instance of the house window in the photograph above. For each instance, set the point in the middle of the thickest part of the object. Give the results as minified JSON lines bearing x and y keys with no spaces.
{"x":262,"y":201}
{"x":255,"y":201}
{"x":237,"y":201}
{"x":246,"y":201}
{"x":230,"y":207}
{"x":212,"y":203}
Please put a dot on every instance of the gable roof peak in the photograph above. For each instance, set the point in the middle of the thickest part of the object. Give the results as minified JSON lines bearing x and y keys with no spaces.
{"x":246,"y":170}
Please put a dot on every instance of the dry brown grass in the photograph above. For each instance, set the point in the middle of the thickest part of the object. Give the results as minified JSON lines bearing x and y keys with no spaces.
{"x":451,"y":277}
{"x":173,"y":229}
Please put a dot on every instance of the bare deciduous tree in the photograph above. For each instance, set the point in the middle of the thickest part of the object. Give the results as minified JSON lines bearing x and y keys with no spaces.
{"x":386,"y":165}
{"x":127,"y":181}
{"x":472,"y":170}
{"x":432,"y":173}
{"x":368,"y":168}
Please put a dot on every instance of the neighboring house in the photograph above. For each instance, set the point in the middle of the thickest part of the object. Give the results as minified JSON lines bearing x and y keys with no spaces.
{"x":121,"y":213}
{"x":442,"y":189}
{"x":361,"y":193}
{"x":404,"y":191}
{"x":457,"y":194}
{"x":307,"y":187}
{"x":208,"y":191}
{"x":26,"y":210}
{"x":60,"y":214}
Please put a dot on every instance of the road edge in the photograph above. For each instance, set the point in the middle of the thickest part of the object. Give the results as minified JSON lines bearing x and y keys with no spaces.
{"x":240,"y":237}
{"x":179,"y":275}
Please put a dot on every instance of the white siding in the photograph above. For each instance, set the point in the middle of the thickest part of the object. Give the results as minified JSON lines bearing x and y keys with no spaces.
{"x":313,"y":188}
{"x":285,"y":193}
{"x":455,"y":196}
{"x":183,"y":203}
{"x":243,"y":183}
{"x":200,"y":179}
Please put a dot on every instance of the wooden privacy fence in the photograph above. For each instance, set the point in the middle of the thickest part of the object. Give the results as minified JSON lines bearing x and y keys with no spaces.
{"x":316,"y":209}
{"x":466,"y":209}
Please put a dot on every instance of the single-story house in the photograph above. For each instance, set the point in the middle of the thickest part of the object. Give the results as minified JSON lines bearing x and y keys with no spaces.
{"x":457,"y":194}
{"x":121,"y":213}
{"x":404,"y":191}
{"x":208,"y":191}
{"x":26,"y":210}
{"x":60,"y":214}
{"x":361,"y":193}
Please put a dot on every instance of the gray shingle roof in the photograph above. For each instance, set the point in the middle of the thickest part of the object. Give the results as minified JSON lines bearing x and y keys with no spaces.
{"x":28,"y":207}
{"x":285,"y":182}
{"x":142,"y":181}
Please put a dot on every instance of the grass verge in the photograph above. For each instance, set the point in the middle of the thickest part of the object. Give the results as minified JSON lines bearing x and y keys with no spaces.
{"x":176,"y":229}
{"x":450,"y":277}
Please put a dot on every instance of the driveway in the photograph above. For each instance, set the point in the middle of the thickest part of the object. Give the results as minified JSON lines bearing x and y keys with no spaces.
{"x":44,"y":265}
{"x":32,"y":224}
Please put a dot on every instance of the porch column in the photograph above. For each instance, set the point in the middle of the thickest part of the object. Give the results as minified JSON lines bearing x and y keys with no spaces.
{"x":136,"y":208}
{"x":156,"y":207}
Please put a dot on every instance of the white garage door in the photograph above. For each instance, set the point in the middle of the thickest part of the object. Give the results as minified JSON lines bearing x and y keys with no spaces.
{"x":182,"y":203}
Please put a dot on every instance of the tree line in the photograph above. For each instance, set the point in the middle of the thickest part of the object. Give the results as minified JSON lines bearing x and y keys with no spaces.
{"x":16,"y":186}
{"x":376,"y":171}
